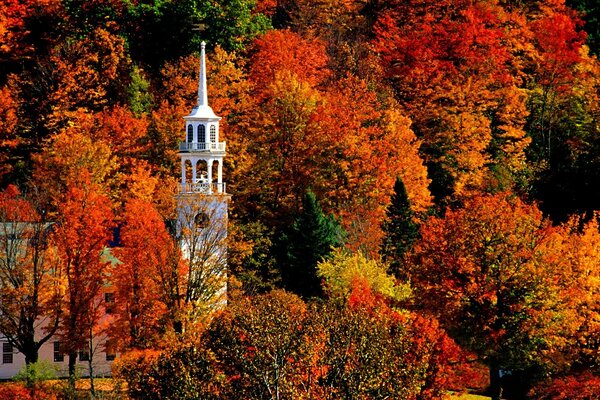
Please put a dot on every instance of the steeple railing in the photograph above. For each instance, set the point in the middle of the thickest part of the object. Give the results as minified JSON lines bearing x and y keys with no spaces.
{"x":205,"y":188}
{"x":210,"y":146}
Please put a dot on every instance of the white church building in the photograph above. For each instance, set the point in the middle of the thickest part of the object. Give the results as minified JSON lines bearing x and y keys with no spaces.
{"x":202,"y":207}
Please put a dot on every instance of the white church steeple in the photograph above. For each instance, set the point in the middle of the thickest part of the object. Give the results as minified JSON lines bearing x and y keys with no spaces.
{"x":202,"y":149}
{"x":202,"y":203}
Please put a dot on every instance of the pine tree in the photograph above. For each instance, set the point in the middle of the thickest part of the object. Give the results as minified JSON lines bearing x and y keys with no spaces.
{"x":399,"y":227}
{"x":311,"y":238}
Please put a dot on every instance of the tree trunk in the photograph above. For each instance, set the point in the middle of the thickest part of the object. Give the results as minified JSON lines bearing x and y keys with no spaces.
{"x":31,"y":354}
{"x":91,"y":362}
{"x":72,"y":360}
{"x":495,"y":383}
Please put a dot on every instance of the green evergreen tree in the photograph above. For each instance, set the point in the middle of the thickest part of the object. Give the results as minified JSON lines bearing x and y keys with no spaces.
{"x":311,"y":238}
{"x":399,"y":227}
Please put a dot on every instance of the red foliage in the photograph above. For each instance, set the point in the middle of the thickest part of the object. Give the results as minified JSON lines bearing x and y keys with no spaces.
{"x":14,"y":391}
{"x":559,"y":39}
{"x":584,"y":386}
{"x":17,"y":391}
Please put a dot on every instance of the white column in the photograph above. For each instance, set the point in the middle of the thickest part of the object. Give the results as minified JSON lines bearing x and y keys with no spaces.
{"x":182,"y":175}
{"x":194,"y":163}
{"x":220,"y":175}
{"x":209,"y":164}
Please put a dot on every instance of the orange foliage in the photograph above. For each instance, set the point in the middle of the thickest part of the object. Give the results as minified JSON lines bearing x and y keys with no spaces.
{"x":450,"y":67}
{"x":9,"y":140}
{"x":370,"y":148}
{"x":71,"y":157}
{"x":121,"y":130}
{"x":279,"y":51}
{"x":82,"y":230}
{"x":88,"y":74}
{"x":497,"y":255}
{"x":145,"y":241}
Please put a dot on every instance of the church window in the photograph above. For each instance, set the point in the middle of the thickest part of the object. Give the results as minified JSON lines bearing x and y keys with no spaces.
{"x":110,"y":350}
{"x":84,"y":355}
{"x":190,"y":135}
{"x":109,"y":302}
{"x":213,"y":133}
{"x":59,"y":356}
{"x":7,"y":353}
{"x":201,"y":134}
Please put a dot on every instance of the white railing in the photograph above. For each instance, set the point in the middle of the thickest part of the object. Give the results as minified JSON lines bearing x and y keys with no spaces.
{"x":204,"y":187}
{"x":211,"y":146}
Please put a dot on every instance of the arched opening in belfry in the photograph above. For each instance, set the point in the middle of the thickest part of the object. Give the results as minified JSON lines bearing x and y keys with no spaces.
{"x":215,"y":170}
{"x":201,"y":172}
{"x":188,"y":171}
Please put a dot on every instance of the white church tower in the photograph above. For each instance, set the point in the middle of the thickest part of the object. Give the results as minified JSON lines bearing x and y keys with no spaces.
{"x":202,"y":203}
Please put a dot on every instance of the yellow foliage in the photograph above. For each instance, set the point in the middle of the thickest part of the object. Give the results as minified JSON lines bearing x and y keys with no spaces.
{"x":343,"y":268}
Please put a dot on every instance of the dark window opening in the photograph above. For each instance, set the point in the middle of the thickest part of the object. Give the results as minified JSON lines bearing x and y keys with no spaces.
{"x":190,"y":134}
{"x":201,"y":134}
{"x":58,"y":352}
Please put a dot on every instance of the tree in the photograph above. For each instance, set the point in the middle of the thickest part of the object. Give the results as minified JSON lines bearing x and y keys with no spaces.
{"x":202,"y":236}
{"x":264,"y":345}
{"x":89,"y":75}
{"x":400,"y":229}
{"x":311,"y":238}
{"x":492,"y":272}
{"x":81,"y":233}
{"x":342,"y":269}
{"x":29,"y":278}
{"x":374,"y":351}
{"x":285,"y":51}
{"x":435,"y":54}
{"x":145,"y":243}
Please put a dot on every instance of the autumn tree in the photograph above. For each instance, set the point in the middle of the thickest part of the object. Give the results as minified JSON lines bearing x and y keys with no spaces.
{"x":342,"y":270}
{"x":68,"y":157}
{"x":139,"y":311}
{"x":89,"y":76}
{"x":263,"y":344}
{"x":29,"y":278}
{"x":373,"y":351}
{"x":81,"y":233}
{"x":451,"y":69}
{"x":491,"y":271}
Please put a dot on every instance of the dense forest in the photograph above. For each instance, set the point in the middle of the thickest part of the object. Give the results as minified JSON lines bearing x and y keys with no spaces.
{"x":415,"y":194}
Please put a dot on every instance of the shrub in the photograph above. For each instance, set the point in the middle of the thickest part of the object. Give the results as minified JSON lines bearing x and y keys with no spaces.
{"x":583,"y":386}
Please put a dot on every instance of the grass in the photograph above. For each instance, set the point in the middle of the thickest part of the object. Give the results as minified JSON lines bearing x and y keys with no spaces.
{"x":468,"y":396}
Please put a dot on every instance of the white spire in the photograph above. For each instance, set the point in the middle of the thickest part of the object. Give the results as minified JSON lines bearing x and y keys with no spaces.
{"x":202,"y":92}
{"x":202,"y":109}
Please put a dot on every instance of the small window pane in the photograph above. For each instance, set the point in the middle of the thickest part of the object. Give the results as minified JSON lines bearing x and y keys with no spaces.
{"x":109,"y":302}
